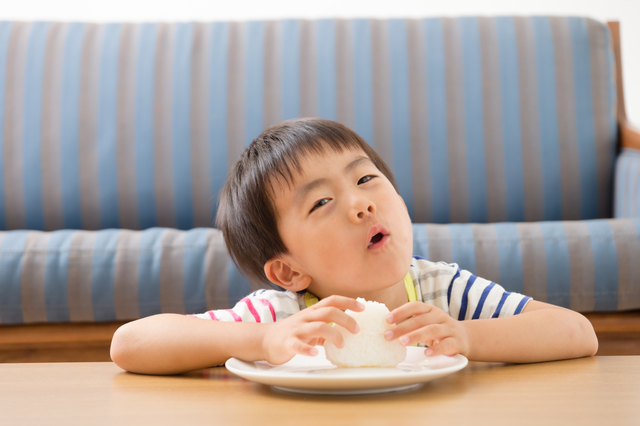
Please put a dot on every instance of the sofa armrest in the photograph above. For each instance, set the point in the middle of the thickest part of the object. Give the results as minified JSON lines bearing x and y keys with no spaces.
{"x":626,"y":195}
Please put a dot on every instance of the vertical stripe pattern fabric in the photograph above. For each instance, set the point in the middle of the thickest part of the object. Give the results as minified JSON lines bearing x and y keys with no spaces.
{"x":627,"y":185}
{"x":135,"y":126}
{"x":109,"y":275}
{"x":583,"y":265}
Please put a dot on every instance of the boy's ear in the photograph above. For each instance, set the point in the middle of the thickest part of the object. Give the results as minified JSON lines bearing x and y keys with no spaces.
{"x":281,"y":273}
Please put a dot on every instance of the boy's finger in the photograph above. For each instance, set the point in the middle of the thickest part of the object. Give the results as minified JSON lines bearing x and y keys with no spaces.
{"x":321,"y":331}
{"x":416,"y":331}
{"x":340,"y":302}
{"x":425,"y":335}
{"x":447,"y":347}
{"x":408,"y":310}
{"x":330,"y":314}
{"x":305,"y":349}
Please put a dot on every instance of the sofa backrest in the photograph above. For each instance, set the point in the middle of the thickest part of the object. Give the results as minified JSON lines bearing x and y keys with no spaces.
{"x":136,"y":125}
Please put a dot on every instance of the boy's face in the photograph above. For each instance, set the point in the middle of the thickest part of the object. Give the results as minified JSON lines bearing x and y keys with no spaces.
{"x":344,"y":225}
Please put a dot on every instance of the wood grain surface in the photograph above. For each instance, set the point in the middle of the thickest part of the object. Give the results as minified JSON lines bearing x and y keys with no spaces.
{"x":586,"y":391}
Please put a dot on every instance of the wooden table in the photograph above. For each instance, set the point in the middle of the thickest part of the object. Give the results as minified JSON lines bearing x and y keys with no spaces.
{"x":599,"y":390}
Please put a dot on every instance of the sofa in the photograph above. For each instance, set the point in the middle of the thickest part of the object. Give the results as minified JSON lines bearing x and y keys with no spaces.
{"x":507,"y":137}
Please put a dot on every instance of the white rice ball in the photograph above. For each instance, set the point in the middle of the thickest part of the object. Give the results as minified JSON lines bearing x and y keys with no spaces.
{"x":368,"y":347}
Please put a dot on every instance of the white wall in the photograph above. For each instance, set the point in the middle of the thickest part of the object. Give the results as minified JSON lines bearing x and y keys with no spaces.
{"x":625,"y":11}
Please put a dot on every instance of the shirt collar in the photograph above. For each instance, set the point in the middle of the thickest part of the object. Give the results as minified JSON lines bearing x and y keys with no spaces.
{"x":311,"y":299}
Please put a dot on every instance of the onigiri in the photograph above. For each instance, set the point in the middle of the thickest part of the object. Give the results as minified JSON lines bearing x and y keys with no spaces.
{"x":368,"y":347}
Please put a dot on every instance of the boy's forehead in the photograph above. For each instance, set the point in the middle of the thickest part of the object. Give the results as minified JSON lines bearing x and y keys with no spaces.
{"x":310,"y":164}
{"x":309,"y":170}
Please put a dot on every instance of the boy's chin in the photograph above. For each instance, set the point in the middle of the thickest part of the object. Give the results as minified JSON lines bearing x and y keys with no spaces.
{"x":389,"y":278}
{"x":394,"y":269}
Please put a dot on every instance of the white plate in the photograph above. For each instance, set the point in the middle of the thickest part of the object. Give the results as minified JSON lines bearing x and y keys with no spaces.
{"x":317,"y":375}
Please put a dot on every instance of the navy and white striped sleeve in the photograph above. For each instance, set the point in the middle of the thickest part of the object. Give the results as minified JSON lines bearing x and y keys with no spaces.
{"x":472,"y":297}
{"x":461,"y":294}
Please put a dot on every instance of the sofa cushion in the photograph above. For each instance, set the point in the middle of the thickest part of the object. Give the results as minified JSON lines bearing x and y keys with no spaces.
{"x":582,"y":265}
{"x":108,"y":275}
{"x":87,"y":276}
{"x":136,"y":125}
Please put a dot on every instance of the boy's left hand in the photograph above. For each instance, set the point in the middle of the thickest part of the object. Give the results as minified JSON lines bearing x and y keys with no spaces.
{"x":418,"y":322}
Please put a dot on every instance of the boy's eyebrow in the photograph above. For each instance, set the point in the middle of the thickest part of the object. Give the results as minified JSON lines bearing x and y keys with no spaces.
{"x":302,"y":192}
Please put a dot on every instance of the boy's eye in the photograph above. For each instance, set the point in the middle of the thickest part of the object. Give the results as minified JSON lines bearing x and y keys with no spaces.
{"x":365,"y":179}
{"x":319,"y":204}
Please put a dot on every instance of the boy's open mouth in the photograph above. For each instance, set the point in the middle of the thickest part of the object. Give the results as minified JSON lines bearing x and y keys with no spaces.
{"x":377,"y":236}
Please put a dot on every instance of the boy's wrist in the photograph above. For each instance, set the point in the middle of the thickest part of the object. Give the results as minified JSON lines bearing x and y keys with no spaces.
{"x":261,"y":341}
{"x":467,"y":343}
{"x":242,"y":340}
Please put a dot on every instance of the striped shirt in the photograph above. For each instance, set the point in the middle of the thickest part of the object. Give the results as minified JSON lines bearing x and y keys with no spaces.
{"x":456,"y":291}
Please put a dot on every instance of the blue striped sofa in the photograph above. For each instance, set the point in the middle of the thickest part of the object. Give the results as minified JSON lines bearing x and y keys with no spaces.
{"x":506,"y":135}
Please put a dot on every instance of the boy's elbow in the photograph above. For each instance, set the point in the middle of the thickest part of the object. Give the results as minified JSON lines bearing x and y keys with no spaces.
{"x":594,"y":346}
{"x":589,"y":336}
{"x":120,"y":350}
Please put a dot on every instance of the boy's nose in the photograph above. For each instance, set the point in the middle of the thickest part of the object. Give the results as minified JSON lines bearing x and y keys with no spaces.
{"x":369,"y":209}
{"x":361,"y":208}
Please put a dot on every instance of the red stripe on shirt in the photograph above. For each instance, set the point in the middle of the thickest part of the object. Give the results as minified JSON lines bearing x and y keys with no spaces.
{"x":265,"y":302}
{"x":235,"y":316}
{"x":213,"y":316}
{"x":252,"y":309}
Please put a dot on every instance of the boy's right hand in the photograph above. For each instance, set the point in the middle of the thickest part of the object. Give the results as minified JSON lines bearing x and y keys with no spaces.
{"x":301,"y":332}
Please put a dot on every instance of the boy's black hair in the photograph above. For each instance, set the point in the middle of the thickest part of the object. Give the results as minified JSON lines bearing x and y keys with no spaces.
{"x":246,"y":214}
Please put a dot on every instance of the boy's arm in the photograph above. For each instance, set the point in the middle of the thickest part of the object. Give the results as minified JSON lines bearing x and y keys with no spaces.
{"x":172,"y":343}
{"x":542,"y":332}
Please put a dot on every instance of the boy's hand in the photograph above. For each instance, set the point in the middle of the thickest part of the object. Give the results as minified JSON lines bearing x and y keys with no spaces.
{"x":418,"y":322}
{"x":300,"y":333}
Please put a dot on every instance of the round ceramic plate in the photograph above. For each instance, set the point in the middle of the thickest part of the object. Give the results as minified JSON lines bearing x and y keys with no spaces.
{"x":316,"y":375}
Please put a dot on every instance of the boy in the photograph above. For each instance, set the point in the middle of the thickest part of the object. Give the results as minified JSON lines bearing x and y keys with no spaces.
{"x":312,"y":208}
